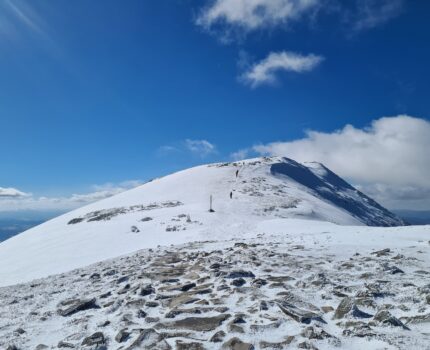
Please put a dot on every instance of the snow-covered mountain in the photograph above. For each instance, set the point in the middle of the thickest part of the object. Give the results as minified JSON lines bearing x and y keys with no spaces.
{"x":175,"y":209}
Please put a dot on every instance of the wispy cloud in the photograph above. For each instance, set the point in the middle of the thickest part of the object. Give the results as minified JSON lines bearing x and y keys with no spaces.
{"x":372,"y":13}
{"x":202,"y":148}
{"x":230,"y":19}
{"x":265,"y":72}
{"x":251,"y":15}
{"x":12,"y":199}
{"x":12,"y":193}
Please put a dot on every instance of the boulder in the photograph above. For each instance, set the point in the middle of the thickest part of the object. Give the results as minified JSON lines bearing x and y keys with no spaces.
{"x":72,"y":306}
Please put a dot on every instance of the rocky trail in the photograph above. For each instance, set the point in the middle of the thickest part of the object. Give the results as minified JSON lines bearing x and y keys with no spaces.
{"x":267,"y":292}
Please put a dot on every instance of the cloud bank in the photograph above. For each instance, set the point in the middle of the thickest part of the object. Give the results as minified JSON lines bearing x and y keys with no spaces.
{"x":388,"y":159}
{"x":12,"y":199}
{"x":265,"y":71}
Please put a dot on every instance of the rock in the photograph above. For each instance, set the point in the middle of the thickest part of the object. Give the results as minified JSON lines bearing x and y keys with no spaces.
{"x":299,"y":315}
{"x":41,"y":347}
{"x":239,"y":282}
{"x":382,"y":252}
{"x":12,"y":347}
{"x":265,"y":327}
{"x":306,"y":345}
{"x":122,"y":336}
{"x":63,"y":344}
{"x":187,"y":287}
{"x":347,"y":305}
{"x":237,"y":344}
{"x":95,"y":276}
{"x":189,"y":346}
{"x":234,"y":328}
{"x":182,"y":300}
{"x":152,"y":319}
{"x":124,"y":289}
{"x":198,"y":324}
{"x":385,"y":317}
{"x":280,"y":345}
{"x":141,"y":314}
{"x":134,"y":229}
{"x":393,"y":270}
{"x":19,"y":331}
{"x":218,"y":337}
{"x":152,"y":304}
{"x":97,"y":338}
{"x":428,"y":299}
{"x":259,"y":282}
{"x":215,"y":266}
{"x":240,"y":274}
{"x":327,"y":309}
{"x":315,"y":332}
{"x":149,"y":339}
{"x":416,"y":319}
{"x":147,"y":218}
{"x":72,"y":306}
{"x":146,"y":290}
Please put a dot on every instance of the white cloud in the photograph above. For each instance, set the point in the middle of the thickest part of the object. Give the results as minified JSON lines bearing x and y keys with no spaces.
{"x":240,"y":154}
{"x":372,"y":13}
{"x":264,"y":72}
{"x":202,"y":148}
{"x":233,"y":18}
{"x":389,"y":159}
{"x":13,"y":200}
{"x":12,"y":193}
{"x":254,"y":14}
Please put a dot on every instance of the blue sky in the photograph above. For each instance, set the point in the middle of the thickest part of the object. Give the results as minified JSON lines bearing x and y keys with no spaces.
{"x":96,"y":96}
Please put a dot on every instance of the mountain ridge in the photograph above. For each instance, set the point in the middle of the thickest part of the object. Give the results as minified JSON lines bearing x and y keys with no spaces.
{"x":175,"y":209}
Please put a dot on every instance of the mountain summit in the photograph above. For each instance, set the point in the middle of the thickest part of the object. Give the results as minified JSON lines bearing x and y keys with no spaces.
{"x":246,"y":197}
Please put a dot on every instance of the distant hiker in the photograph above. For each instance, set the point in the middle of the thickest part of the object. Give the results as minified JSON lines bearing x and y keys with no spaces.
{"x":231,"y":195}
{"x":237,"y":172}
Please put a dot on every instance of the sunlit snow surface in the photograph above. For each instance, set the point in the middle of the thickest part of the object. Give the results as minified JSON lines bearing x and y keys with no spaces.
{"x":265,"y":189}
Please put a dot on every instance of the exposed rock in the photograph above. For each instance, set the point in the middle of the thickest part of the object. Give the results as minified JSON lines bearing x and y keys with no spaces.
{"x":189,"y":346}
{"x":218,"y":337}
{"x":346,"y":306}
{"x":239,"y":282}
{"x":63,"y":344}
{"x":240,"y":273}
{"x":299,"y":315}
{"x":280,"y":345}
{"x":41,"y":347}
{"x":199,"y":324}
{"x":146,"y":290}
{"x":385,"y":317}
{"x":382,"y":252}
{"x":237,"y":344}
{"x":122,"y":336}
{"x":97,"y":338}
{"x":187,"y":287}
{"x":149,"y":339}
{"x":72,"y":306}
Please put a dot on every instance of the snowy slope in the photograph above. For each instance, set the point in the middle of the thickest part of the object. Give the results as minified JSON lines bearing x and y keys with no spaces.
{"x":174,"y":209}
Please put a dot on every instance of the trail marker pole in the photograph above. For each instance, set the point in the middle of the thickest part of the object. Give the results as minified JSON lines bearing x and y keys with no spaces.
{"x":210,"y":205}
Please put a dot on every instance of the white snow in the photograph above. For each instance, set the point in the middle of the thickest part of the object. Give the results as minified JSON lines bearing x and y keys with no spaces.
{"x":264,"y":200}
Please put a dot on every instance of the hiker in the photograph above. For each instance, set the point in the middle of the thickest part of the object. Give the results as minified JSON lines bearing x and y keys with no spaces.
{"x":231,"y":195}
{"x":237,"y":172}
